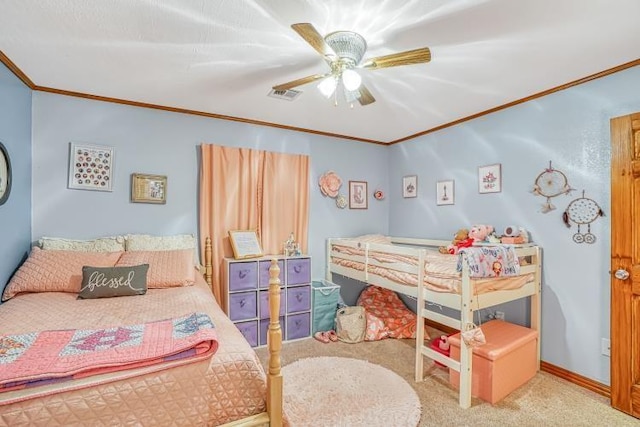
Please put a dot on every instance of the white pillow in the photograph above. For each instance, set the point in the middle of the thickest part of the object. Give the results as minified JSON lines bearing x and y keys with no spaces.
{"x":146,"y":242}
{"x":102,"y":244}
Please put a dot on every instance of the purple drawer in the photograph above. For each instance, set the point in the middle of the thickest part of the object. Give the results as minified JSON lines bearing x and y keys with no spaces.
{"x":264,"y":304}
{"x":298,"y":271}
{"x":298,"y":299}
{"x":264,"y":273}
{"x":298,"y":326}
{"x":243,"y":275}
{"x":250,"y":331}
{"x":243,"y":305}
{"x":264,"y":326}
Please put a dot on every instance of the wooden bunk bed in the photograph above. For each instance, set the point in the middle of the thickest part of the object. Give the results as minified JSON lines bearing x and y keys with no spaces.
{"x":393,"y":263}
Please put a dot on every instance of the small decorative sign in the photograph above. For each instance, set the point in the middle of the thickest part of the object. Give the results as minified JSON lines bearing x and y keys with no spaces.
{"x":358,"y":195}
{"x":245,"y":244}
{"x":90,"y":167}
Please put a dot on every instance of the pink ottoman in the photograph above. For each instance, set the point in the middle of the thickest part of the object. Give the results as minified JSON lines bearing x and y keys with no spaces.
{"x":504,"y":363}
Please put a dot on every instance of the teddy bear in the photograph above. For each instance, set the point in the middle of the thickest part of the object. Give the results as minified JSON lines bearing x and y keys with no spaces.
{"x":460,"y":240}
{"x":481,"y":233}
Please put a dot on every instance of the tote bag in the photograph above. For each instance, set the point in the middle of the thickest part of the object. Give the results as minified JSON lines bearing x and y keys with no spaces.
{"x":351,"y":324}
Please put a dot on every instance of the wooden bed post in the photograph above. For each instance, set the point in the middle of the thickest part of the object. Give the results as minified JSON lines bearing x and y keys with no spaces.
{"x":466,"y":352}
{"x":274,"y":344}
{"x":208,"y":266}
{"x":536,"y":311}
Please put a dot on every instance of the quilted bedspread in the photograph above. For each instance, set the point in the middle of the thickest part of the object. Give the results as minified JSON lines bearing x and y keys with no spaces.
{"x":220,"y":388}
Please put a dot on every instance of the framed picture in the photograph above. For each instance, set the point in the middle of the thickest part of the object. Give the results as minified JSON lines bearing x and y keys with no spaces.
{"x":490,"y":179}
{"x":148,"y":188}
{"x":410,"y":186}
{"x":90,"y":167}
{"x":358,"y":195}
{"x":245,"y":244}
{"x":5,"y":174}
{"x":445,"y":193}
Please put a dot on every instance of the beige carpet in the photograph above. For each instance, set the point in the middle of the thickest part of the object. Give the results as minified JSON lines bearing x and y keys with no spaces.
{"x":339,"y":391}
{"x":544,"y":401}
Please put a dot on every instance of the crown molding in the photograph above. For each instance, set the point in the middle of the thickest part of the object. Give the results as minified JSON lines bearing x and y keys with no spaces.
{"x":27,"y":81}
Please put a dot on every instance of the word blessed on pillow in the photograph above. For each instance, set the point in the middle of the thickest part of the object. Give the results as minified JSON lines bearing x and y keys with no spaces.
{"x":105,"y":282}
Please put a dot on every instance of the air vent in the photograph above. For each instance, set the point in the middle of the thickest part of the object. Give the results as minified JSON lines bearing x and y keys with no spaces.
{"x":288,"y":95}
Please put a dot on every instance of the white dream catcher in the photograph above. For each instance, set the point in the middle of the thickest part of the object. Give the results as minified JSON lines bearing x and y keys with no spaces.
{"x":551,"y":183}
{"x":582,"y":211}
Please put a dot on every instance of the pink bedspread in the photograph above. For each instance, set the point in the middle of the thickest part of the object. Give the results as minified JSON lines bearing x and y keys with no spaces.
{"x":214,"y":390}
{"x":39,"y":357}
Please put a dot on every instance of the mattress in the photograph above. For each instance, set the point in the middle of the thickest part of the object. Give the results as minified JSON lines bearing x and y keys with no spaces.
{"x":227,"y":386}
{"x":440,"y":270}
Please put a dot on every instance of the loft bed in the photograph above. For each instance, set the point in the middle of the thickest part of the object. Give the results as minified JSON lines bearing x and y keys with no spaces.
{"x":393,"y":263}
{"x":226,"y":386}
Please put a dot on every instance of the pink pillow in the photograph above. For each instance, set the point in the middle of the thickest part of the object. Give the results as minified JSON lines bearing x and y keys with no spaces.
{"x":167,"y":269}
{"x":55,"y":271}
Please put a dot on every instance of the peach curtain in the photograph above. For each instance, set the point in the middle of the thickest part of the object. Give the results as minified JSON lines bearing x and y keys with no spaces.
{"x":245,"y":189}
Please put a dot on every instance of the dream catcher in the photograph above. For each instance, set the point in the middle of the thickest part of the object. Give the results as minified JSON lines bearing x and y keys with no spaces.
{"x":551,"y":183}
{"x":582,"y":211}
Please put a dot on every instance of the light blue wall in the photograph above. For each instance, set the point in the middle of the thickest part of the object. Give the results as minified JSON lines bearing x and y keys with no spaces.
{"x":15,"y":134}
{"x":159,"y":142}
{"x":570,"y":128}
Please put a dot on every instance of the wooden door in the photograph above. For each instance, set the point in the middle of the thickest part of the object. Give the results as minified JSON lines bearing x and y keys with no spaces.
{"x":625,"y":264}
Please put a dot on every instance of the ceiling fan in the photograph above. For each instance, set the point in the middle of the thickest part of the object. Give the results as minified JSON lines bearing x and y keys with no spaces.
{"x":343,"y":51}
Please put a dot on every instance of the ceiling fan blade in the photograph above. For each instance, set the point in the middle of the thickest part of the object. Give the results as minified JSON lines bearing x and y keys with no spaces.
{"x":416,"y":56}
{"x":300,"y":82}
{"x":313,"y":37}
{"x":365,"y":96}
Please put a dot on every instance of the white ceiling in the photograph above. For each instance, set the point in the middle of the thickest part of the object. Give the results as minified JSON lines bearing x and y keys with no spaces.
{"x":223,"y":57}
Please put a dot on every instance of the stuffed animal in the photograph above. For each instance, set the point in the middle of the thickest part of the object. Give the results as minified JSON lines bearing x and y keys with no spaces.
{"x":481,"y":232}
{"x":462,"y":235}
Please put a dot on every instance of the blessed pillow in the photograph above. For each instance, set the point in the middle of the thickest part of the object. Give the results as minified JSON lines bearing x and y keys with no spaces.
{"x":167,"y":269}
{"x":55,"y":271}
{"x":106,"y":282}
{"x":102,"y":244}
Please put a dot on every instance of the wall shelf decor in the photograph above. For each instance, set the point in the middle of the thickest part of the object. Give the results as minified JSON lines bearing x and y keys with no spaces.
{"x":147,"y":188}
{"x":90,"y":167}
{"x":490,"y":178}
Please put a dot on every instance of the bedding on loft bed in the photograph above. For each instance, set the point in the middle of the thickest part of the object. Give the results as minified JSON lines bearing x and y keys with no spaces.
{"x":87,"y":299}
{"x":394,"y":263}
{"x":379,"y":257}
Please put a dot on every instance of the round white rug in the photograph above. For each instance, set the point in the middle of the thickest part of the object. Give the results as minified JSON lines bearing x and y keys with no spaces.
{"x":339,"y":391}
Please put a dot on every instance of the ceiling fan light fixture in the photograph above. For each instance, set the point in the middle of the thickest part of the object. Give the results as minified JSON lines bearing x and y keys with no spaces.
{"x":328,"y":86}
{"x":351,"y":79}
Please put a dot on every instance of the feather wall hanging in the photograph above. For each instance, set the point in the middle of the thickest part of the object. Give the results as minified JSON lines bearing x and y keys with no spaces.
{"x":551,"y":183}
{"x":582,"y":211}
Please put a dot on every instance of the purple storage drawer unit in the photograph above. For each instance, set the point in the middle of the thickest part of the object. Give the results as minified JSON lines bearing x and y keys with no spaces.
{"x":298,"y":299}
{"x":264,"y":304}
{"x":298,"y":326}
{"x":243,"y":275}
{"x":298,"y":271}
{"x":263,"y":274}
{"x":264,"y":327}
{"x":250,"y":331}
{"x":243,"y":305}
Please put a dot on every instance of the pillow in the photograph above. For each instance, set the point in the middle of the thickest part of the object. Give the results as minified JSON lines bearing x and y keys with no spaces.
{"x":55,"y":271}
{"x":102,"y":244}
{"x":106,"y":282}
{"x":167,"y":269}
{"x":145,"y":242}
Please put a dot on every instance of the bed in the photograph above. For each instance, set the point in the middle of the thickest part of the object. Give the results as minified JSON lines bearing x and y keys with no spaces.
{"x":446,"y":280}
{"x":225,"y":385}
